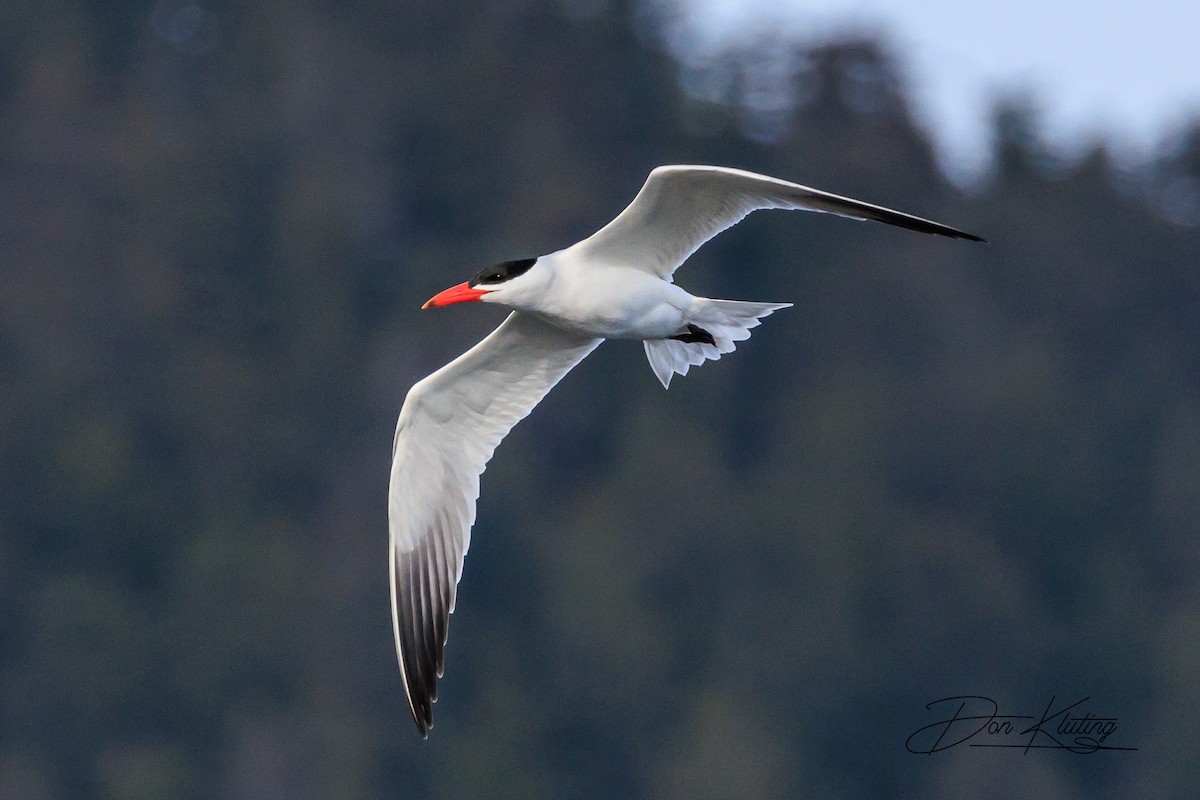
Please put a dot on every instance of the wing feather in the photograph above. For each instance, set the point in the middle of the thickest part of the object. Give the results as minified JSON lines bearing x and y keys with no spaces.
{"x":449,"y":426}
{"x":681,"y":207}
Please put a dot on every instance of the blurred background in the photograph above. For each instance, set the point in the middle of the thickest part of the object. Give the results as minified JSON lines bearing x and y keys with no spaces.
{"x":950,"y":469}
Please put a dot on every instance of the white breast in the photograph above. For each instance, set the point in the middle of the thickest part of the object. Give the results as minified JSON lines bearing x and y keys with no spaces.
{"x":613,"y":302}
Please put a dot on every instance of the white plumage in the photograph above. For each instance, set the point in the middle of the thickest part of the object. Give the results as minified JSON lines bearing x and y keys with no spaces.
{"x":616,"y":284}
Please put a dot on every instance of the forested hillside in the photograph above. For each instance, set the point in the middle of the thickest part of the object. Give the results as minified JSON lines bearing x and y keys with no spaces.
{"x":950,"y":469}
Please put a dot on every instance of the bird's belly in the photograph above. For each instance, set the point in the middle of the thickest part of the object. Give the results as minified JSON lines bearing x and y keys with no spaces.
{"x":658,"y":323}
{"x":639,"y":319}
{"x":620,"y":305}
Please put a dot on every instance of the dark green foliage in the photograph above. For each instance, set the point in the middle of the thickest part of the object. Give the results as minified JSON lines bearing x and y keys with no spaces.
{"x":951,"y":468}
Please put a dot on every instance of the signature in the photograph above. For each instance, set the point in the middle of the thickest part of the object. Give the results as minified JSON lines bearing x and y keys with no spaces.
{"x":975,"y":721}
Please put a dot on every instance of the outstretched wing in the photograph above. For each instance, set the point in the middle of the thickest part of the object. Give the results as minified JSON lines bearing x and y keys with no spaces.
{"x":681,"y":207}
{"x":449,"y":427}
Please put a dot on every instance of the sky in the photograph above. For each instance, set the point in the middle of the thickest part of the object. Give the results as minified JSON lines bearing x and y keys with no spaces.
{"x":1127,"y":72}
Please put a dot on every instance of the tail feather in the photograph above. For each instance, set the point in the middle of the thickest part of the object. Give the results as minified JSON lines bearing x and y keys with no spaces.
{"x":728,"y":321}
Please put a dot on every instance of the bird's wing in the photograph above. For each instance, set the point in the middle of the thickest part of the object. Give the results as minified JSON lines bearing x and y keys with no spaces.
{"x":449,"y":426}
{"x":681,"y":207}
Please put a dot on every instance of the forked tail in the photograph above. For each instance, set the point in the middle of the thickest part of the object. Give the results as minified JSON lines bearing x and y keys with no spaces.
{"x":722,"y":321}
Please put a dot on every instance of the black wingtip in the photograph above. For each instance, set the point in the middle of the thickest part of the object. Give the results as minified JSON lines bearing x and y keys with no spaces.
{"x":938,"y":229}
{"x":422,"y":712}
{"x":918,"y":224}
{"x":423,"y":717}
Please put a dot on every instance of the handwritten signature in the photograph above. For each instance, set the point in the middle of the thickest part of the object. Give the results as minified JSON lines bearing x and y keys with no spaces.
{"x":975,"y":721}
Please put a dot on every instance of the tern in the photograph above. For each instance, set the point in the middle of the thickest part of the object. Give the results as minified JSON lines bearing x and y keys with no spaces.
{"x":616,"y":284}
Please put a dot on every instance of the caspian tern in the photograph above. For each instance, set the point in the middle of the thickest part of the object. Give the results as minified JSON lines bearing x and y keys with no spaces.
{"x":616,"y":284}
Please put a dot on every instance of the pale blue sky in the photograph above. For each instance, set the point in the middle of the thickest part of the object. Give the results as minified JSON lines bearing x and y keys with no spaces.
{"x":1129,"y":71}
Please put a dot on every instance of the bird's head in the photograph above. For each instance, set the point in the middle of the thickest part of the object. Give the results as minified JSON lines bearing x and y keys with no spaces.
{"x":504,"y":284}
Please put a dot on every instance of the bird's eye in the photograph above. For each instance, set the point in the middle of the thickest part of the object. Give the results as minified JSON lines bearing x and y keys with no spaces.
{"x":502,"y":272}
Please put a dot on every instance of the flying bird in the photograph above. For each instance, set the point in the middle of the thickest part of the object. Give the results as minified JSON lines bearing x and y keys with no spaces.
{"x":616,"y":284}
